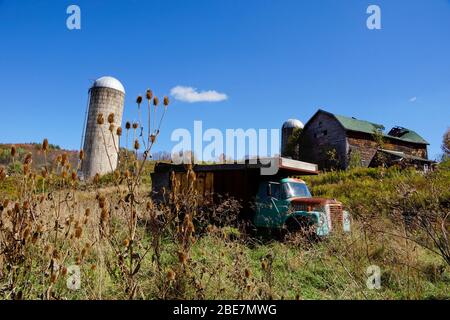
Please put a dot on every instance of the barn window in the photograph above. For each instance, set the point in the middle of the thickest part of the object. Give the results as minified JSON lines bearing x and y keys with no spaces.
{"x":325,"y":132}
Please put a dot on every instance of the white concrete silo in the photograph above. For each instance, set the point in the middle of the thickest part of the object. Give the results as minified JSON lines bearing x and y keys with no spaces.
{"x":106,"y":96}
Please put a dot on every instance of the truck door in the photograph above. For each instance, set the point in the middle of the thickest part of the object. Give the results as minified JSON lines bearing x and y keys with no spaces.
{"x":268,"y":205}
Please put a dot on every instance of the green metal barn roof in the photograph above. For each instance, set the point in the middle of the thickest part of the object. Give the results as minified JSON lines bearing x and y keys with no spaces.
{"x":358,"y":125}
{"x":353,"y":124}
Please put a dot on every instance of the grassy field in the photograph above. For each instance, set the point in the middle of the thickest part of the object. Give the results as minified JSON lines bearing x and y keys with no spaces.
{"x":108,"y":240}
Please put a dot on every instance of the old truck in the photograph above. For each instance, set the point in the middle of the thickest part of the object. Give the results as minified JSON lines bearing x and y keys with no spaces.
{"x":280,"y":201}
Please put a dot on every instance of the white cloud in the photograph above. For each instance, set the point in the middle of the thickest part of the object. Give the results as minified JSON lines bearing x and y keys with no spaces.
{"x":191,"y":95}
{"x":413,"y":99}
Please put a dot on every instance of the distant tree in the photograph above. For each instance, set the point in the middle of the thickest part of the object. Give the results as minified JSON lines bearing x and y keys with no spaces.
{"x":332,"y":158}
{"x":184,"y":156}
{"x":378,"y":137}
{"x":162,"y":156}
{"x":292,"y":144}
{"x":446,"y":143}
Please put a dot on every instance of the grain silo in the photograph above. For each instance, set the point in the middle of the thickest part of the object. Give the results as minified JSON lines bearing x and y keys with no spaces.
{"x":106,"y":96}
{"x":286,"y":131}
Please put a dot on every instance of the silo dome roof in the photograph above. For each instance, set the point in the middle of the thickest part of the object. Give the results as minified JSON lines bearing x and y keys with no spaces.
{"x":293,"y":123}
{"x":109,"y":82}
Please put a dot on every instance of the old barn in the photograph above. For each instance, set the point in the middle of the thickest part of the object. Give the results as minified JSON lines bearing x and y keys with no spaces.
{"x":335,"y":141}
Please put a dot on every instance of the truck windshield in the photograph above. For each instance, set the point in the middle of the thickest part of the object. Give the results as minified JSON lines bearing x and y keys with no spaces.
{"x":295,"y":190}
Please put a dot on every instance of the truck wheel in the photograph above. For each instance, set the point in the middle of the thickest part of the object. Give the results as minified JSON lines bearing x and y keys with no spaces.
{"x":300,"y":226}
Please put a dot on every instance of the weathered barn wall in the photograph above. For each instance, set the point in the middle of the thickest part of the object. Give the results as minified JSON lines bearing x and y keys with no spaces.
{"x":366,"y":146}
{"x":362,"y":144}
{"x":322,"y":135}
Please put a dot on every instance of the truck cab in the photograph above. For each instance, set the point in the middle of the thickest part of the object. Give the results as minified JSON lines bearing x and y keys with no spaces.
{"x":288,"y":203}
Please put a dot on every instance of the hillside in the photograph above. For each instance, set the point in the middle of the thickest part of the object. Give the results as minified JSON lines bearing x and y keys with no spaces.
{"x":38,"y":156}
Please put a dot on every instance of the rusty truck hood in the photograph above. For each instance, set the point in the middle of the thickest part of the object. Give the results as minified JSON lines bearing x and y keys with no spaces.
{"x":314,"y":201}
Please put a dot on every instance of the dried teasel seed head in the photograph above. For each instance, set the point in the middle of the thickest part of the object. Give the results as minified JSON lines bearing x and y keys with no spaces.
{"x":171,"y":275}
{"x":111,"y":128}
{"x":63,"y":271}
{"x":100,"y":119}
{"x":264,"y":265}
{"x":74,"y":176}
{"x":111,"y":118}
{"x":119,"y":131}
{"x":96,"y":178}
{"x":101,"y":202}
{"x":139,"y":100}
{"x":87,"y":212}
{"x":116,"y":174}
{"x":149,"y":94}
{"x":182,"y":257}
{"x":153,"y":138}
{"x":81,"y":155}
{"x":26,"y":205}
{"x":28,"y":158}
{"x":78,"y":232}
{"x":135,"y":125}
{"x":35,"y":237}
{"x":247,"y":273}
{"x":104,"y":215}
{"x":45,"y":145}
{"x":126,"y":243}
{"x":136,"y":144}
{"x":166,"y":101}
{"x":155,"y":101}
{"x":128,"y":125}
{"x":64,"y":159}
{"x":13,"y":151}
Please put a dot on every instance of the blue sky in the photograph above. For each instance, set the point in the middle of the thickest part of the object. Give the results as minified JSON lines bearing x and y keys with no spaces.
{"x":273,"y":59}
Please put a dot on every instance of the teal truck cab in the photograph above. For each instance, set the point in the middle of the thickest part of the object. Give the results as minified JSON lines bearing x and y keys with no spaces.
{"x":288,"y":204}
{"x":277,"y":201}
